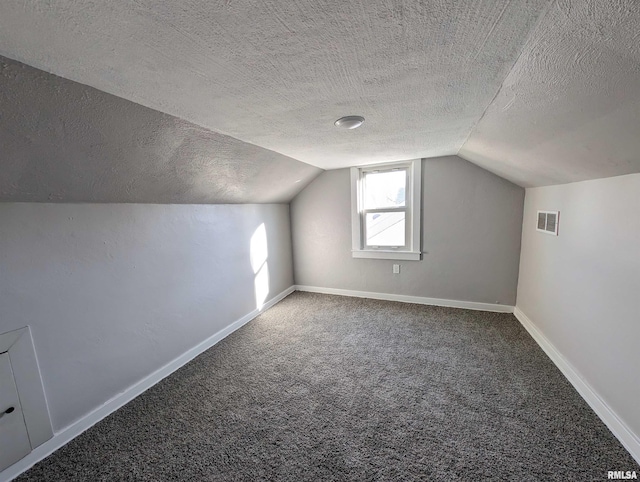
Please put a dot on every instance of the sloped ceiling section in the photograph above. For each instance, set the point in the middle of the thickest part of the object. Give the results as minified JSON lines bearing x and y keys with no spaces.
{"x":63,"y":141}
{"x":537,"y":91}
{"x":278,"y":73}
{"x":570,"y":108}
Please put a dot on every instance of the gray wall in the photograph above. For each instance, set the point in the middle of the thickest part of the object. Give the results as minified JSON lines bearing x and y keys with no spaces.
{"x":471,"y":227}
{"x":582,"y":288}
{"x":115,"y":291}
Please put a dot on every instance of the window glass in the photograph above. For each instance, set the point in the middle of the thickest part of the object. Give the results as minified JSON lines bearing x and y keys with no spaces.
{"x":551,"y":222}
{"x":385,"y":229}
{"x":385,"y":189}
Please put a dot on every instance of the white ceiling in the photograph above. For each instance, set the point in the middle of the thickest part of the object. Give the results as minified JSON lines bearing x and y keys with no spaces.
{"x":278,"y":73}
{"x":569,"y":110}
{"x":427,"y":75}
{"x":61,"y":141}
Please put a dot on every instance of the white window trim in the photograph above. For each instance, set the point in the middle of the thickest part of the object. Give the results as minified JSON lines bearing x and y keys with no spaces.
{"x":412,"y":250}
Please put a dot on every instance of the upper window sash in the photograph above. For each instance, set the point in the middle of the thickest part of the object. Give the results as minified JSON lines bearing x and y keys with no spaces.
{"x":367,"y":187}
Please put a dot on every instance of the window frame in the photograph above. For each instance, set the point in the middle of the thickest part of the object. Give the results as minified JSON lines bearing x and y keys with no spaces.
{"x":411,"y":249}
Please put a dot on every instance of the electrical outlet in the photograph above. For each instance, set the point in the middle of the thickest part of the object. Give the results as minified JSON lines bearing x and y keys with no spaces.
{"x":396,"y":268}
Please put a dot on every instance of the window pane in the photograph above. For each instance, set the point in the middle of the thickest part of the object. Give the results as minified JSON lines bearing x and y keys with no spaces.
{"x":551,"y":222}
{"x":385,"y":189}
{"x":385,"y":229}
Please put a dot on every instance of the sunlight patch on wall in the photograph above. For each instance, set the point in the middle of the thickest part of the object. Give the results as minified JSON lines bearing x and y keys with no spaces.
{"x":259,"y":252}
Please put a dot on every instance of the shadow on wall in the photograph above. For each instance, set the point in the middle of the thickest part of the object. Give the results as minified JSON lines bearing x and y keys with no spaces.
{"x":259,"y":252}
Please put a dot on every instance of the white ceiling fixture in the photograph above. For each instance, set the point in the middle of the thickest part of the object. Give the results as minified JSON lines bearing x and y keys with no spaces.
{"x":350,"y":122}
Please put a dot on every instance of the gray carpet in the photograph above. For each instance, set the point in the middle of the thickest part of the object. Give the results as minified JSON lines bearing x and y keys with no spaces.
{"x":324,"y":388}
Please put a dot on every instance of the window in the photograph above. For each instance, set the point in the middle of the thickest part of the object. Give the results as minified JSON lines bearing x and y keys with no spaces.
{"x":385,"y":210}
{"x":548,"y":222}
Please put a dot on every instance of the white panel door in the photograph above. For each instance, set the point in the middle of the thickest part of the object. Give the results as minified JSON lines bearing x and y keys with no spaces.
{"x":14,"y":441}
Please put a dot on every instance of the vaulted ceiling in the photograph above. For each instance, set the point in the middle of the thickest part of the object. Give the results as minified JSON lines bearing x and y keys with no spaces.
{"x":537,"y":91}
{"x":61,"y":141}
{"x":569,"y":110}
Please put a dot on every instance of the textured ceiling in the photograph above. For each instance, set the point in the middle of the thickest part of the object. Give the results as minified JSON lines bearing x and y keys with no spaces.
{"x":570,"y":108}
{"x":277,"y":73}
{"x":61,"y":141}
{"x":537,"y":91}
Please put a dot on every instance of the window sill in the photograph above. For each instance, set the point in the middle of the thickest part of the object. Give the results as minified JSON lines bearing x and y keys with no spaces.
{"x":387,"y":254}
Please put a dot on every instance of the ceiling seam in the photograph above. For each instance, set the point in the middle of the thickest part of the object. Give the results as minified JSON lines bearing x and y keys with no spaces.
{"x":522,"y":50}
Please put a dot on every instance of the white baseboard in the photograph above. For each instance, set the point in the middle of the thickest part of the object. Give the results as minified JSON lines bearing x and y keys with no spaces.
{"x":420,"y":300}
{"x":69,"y":433}
{"x":623,"y":433}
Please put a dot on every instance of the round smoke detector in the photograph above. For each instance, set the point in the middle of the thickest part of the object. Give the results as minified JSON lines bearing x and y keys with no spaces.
{"x":350,"y":121}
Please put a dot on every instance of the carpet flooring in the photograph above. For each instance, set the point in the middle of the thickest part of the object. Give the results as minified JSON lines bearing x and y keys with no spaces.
{"x":330,"y":388}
